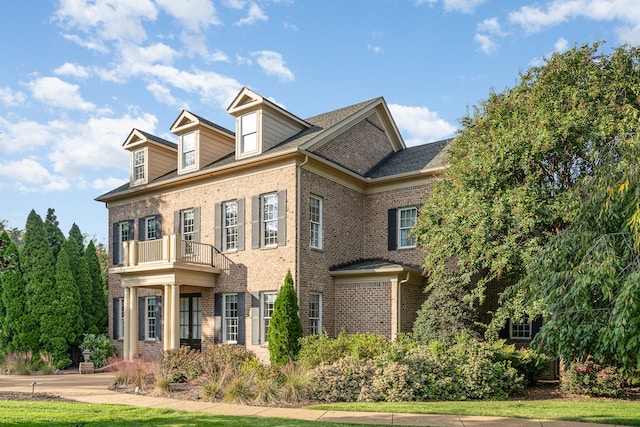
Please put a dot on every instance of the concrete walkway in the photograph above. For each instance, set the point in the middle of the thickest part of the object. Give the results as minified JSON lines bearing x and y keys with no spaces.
{"x":94,"y":388}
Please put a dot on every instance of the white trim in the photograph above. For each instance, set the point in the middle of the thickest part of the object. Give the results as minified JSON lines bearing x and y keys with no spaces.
{"x":225,"y":331}
{"x":318,"y":223}
{"x":264,"y":338}
{"x":401,"y":228}
{"x":318,"y":329}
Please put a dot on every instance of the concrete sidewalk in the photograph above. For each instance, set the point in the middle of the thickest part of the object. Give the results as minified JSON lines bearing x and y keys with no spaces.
{"x":94,"y":388}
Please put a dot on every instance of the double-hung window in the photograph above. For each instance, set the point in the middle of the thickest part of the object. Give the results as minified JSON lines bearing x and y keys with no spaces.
{"x":315,"y":313}
{"x":230,"y":233}
{"x":249,"y":133}
{"x":125,"y":233}
{"x":150,"y":319}
{"x":315,"y":222}
{"x":138,"y":165}
{"x":188,"y":224}
{"x":230,"y":319}
{"x":406,"y":221}
{"x":150,"y":228}
{"x":521,"y":329}
{"x":188,"y":151}
{"x":268,"y":302}
{"x":269,"y":219}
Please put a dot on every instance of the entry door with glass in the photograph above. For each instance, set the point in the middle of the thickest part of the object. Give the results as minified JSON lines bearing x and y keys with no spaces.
{"x":191,"y":320}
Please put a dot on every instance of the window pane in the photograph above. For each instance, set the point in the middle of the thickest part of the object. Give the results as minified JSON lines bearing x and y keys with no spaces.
{"x":248,"y":132}
{"x":231,"y":318}
{"x":270,"y":219}
{"x":184,"y":318}
{"x":188,"y":149}
{"x":315,"y":222}
{"x":151,"y":318}
{"x":406,"y":221}
{"x":268,"y":300}
{"x":230,"y":226}
{"x":315,"y":310}
{"x":196,"y":319}
{"x":138,"y":165}
{"x":188,"y":228}
{"x":151,"y":228}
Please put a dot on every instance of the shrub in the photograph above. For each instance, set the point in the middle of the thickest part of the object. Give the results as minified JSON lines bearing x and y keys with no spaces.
{"x":139,"y":372}
{"x":293,"y":383}
{"x":240,"y":389}
{"x":341,"y":381}
{"x":320,"y":349}
{"x":179,"y":365}
{"x":100,"y":347}
{"x":17,"y":363}
{"x":285,"y":328}
{"x":214,"y":385}
{"x":223,"y":356}
{"x":591,"y":378}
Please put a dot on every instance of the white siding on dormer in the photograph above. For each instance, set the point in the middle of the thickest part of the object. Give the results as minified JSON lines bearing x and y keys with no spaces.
{"x":275,"y":129}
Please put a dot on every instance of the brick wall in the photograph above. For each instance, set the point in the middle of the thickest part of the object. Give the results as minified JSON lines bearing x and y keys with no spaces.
{"x":412,"y":296}
{"x":364,"y":307}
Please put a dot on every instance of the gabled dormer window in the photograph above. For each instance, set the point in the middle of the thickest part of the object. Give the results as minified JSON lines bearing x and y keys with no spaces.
{"x":188,"y":151}
{"x":249,"y":133}
{"x":139,"y":166}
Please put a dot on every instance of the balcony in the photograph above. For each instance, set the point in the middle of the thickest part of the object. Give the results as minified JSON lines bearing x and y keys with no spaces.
{"x":169,"y":255}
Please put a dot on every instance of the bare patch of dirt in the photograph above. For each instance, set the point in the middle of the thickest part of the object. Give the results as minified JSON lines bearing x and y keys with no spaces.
{"x":11,"y":395}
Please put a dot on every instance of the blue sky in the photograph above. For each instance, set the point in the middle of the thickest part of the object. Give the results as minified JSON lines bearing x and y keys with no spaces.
{"x":78,"y":75}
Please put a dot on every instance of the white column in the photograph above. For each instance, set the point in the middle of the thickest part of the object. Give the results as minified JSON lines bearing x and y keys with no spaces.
{"x":175,"y":316}
{"x":127,"y":321}
{"x":133,"y":323}
{"x":168,"y":318}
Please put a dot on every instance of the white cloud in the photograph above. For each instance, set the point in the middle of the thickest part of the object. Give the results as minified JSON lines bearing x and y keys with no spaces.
{"x":92,"y":44}
{"x":487,"y":45}
{"x":195,"y":45}
{"x":57,"y":93}
{"x":162,"y":94}
{"x":108,"y":184}
{"x":28,"y":175}
{"x":490,"y":25}
{"x":108,"y":19}
{"x":196,"y":15}
{"x":535,"y":19}
{"x":372,"y":45}
{"x":273,"y":64}
{"x":254,"y":15}
{"x":465,"y":6}
{"x":11,"y":98}
{"x":219,"y":56}
{"x":30,"y":134}
{"x":561,"y":45}
{"x":73,"y":70}
{"x":234,"y":4}
{"x":419,"y":124}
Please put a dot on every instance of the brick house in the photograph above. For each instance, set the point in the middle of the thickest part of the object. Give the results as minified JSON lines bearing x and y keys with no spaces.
{"x":205,"y":230}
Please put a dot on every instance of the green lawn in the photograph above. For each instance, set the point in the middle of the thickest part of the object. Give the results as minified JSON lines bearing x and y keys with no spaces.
{"x":621,"y":412}
{"x":75,"y":414}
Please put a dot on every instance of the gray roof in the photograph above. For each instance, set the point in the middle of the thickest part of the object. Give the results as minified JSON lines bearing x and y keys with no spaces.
{"x":159,"y":140}
{"x":371,"y":264}
{"x":411,"y":159}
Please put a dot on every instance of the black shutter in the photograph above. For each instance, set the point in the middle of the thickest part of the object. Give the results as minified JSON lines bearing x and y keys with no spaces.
{"x":282,"y":218}
{"x":536,"y":325}
{"x":159,"y":318}
{"x":255,"y":222}
{"x":217,"y":316}
{"x":140,"y":318}
{"x":241,"y":311}
{"x":241,"y":224}
{"x":142,"y":236}
{"x":115,"y":246}
{"x":504,"y":332}
{"x":218,"y":214}
{"x":392,"y":229}
{"x":196,"y":224}
{"x":255,"y":318}
{"x":115,"y":320}
{"x":158,"y":226}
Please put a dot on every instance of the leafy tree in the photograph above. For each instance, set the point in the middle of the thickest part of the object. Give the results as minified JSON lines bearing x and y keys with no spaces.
{"x":18,"y":329}
{"x":98,"y":289}
{"x":39,"y":274}
{"x":15,"y":235}
{"x":588,"y":277}
{"x":285,"y":328}
{"x":54,"y":234}
{"x":443,"y":316}
{"x":507,"y":190}
{"x":74,"y":246}
{"x":61,"y":323}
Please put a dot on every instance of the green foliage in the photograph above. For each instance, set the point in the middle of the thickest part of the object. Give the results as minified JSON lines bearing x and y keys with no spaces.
{"x":443,"y":316}
{"x":55,"y":236}
{"x":82,"y":279}
{"x":520,"y":152}
{"x":285,"y":328}
{"x":98,"y":289}
{"x":593,"y":379}
{"x":341,"y":381}
{"x":179,"y":365}
{"x":320,"y":349}
{"x":101,"y":348}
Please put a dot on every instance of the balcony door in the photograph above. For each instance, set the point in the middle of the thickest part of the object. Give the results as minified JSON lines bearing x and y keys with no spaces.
{"x":191,"y":320}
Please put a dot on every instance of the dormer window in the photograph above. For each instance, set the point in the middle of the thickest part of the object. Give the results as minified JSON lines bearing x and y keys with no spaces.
{"x":188,"y":151}
{"x":249,"y":133}
{"x":138,"y":165}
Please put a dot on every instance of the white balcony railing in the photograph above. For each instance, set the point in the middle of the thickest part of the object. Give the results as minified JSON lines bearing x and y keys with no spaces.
{"x":172,"y":249}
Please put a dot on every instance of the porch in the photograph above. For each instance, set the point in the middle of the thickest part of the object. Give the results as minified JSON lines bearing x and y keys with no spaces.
{"x":165,"y":264}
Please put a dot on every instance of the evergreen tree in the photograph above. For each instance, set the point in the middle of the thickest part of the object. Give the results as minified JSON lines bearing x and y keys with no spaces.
{"x":38,"y":273}
{"x":4,"y":263}
{"x":99,"y":291}
{"x":62,"y":321}
{"x":285,"y":328}
{"x":82,"y":279}
{"x":54,"y":234}
{"x":19,"y":331}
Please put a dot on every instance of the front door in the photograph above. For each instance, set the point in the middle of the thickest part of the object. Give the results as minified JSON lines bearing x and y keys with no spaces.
{"x":191,"y":320}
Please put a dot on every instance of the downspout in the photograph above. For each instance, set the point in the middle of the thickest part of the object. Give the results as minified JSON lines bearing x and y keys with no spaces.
{"x":298,"y":219}
{"x":399,"y":302}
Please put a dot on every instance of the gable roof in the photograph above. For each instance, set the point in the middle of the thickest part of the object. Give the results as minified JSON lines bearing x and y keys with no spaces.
{"x":137,"y":136}
{"x":412,"y":159}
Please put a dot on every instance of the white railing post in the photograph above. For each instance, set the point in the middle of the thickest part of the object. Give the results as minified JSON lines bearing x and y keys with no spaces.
{"x":133,"y":245}
{"x":165,"y":248}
